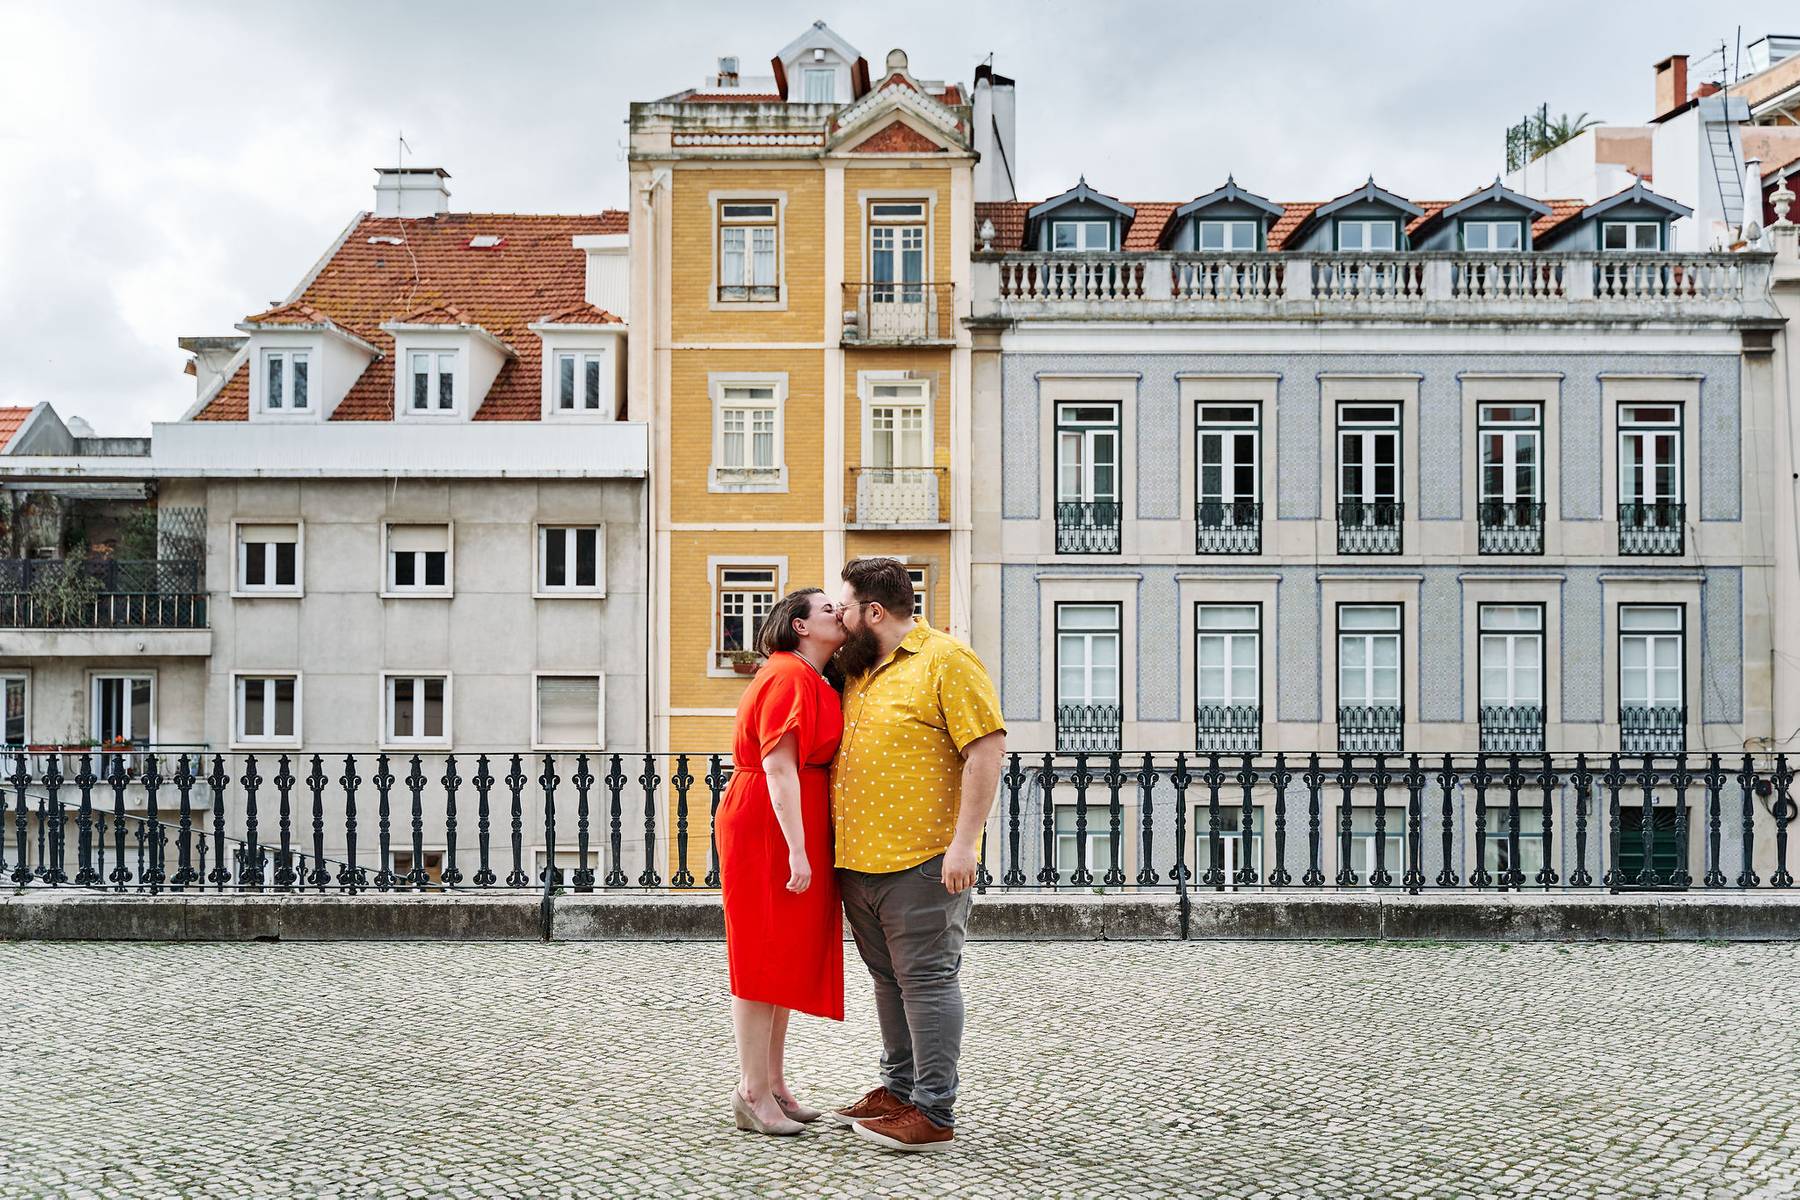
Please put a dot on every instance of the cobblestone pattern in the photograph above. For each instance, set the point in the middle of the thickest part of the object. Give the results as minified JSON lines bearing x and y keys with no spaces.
{"x":1254,"y":1071}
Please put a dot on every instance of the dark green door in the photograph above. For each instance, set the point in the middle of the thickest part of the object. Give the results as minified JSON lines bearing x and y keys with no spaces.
{"x":1668,"y":849}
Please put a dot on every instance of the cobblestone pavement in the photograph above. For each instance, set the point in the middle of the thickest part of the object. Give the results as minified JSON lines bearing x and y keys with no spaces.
{"x":1092,"y":1069}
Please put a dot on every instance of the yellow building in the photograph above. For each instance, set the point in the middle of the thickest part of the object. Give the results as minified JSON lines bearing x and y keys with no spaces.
{"x":800,"y":271}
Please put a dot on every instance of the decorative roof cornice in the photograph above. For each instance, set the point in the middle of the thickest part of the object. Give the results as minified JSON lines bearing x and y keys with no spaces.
{"x":1081,"y":192}
{"x":1230,"y":193}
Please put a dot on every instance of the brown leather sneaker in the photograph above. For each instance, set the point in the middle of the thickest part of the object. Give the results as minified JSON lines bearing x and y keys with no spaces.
{"x":910,"y":1132}
{"x":878,"y":1103}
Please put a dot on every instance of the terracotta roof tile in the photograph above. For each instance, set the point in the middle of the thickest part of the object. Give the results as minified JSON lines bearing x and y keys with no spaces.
{"x":10,"y":421}
{"x":504,"y":289}
{"x":1560,"y":211}
{"x":435,"y":314}
{"x":297,"y":313}
{"x":731,"y":98}
{"x":1008,"y":217}
{"x":1291,"y":218}
{"x":1147,"y":225}
{"x":582,"y":314}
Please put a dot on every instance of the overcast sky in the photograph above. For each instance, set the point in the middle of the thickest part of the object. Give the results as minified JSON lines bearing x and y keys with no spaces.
{"x":167,"y":168}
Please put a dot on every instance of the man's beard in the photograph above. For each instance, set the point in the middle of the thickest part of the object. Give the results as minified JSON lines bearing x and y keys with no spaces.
{"x":859,"y":653}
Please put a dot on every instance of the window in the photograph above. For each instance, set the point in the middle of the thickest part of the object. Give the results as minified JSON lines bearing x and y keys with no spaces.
{"x":433,"y":381}
{"x":746,"y":594}
{"x":1392,"y":840}
{"x":1651,"y":512}
{"x":579,"y":379}
{"x":747,"y":245}
{"x":285,"y":381}
{"x":1368,"y":478}
{"x":123,"y":710}
{"x":416,"y":708}
{"x":268,"y":708}
{"x":897,"y":422}
{"x":1227,"y":677}
{"x":1227,"y":235}
{"x":748,"y":429}
{"x":418,"y":558}
{"x":1087,"y":478}
{"x":1511,"y":508}
{"x":570,"y":559}
{"x":1366,"y":235}
{"x":1228,"y":515}
{"x":1497,"y":843}
{"x":1232,"y":859}
{"x":1369,"y":705}
{"x":268,"y":558}
{"x":1512,"y":678}
{"x":921,"y":588}
{"x":1651,"y":693}
{"x":1492,"y":235}
{"x":1631,"y":235}
{"x":1087,"y":676}
{"x":12,"y":712}
{"x":1081,"y":235}
{"x":896,"y":253}
{"x":1097,"y":837}
{"x":818,"y":85}
{"x":571,"y":712}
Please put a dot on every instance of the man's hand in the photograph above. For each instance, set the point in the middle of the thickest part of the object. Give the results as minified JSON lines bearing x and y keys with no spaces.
{"x":959,"y":868}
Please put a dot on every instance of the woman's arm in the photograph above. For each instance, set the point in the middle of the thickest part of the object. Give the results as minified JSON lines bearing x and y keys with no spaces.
{"x":781,"y":766}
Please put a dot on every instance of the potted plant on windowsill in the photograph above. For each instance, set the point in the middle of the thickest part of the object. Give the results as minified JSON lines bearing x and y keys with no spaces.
{"x":744,"y":662}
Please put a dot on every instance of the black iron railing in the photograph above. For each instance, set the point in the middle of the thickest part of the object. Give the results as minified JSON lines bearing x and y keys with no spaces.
{"x":1369,"y":527}
{"x":1653,"y":729}
{"x":1370,"y":728}
{"x":1087,"y":526}
{"x":1512,"y":728}
{"x":1228,"y":527}
{"x":1089,"y":727}
{"x":102,"y":593}
{"x":1657,"y":528}
{"x":611,"y":822}
{"x":1511,"y":527}
{"x":1228,"y":728}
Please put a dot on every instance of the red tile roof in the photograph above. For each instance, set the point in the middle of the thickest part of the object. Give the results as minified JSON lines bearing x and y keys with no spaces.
{"x":582,"y":314}
{"x":504,"y":289}
{"x":297,"y":313}
{"x":10,"y":421}
{"x":1147,"y":226}
{"x":731,"y":98}
{"x":1560,"y":211}
{"x":1291,"y":218}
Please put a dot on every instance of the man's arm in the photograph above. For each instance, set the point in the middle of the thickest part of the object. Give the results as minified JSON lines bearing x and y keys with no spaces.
{"x":980,"y":783}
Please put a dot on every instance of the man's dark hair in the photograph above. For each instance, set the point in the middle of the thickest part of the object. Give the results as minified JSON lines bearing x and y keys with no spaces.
{"x":882,"y":581}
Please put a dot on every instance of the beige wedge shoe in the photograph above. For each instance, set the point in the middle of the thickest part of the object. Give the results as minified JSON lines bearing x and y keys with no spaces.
{"x":799,"y":1112}
{"x":747,"y":1121}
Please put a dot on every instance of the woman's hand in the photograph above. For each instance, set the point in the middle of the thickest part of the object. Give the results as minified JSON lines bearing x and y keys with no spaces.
{"x":799,"y":871}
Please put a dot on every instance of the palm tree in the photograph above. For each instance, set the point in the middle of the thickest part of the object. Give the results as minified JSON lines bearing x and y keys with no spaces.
{"x":1551,"y":134}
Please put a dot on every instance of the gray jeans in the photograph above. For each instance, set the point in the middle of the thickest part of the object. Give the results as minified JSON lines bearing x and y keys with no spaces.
{"x":910,"y":932}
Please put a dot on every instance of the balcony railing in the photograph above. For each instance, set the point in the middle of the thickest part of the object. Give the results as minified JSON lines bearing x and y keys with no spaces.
{"x":1369,"y":527}
{"x":898,"y":314}
{"x":1511,"y":527}
{"x":126,"y":763}
{"x":1512,"y":728}
{"x":1656,"y":528}
{"x":1087,"y":526}
{"x":1088,"y":727}
{"x":1653,"y":729}
{"x":896,"y":496}
{"x":1370,"y":728}
{"x":102,"y":594}
{"x":1228,"y":527}
{"x":1228,"y":728}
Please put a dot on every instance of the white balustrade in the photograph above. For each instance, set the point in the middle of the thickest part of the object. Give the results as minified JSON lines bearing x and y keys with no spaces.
{"x":1077,"y":278}
{"x":1229,"y":280}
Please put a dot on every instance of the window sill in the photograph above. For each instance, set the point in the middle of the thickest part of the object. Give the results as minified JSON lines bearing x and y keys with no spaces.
{"x":598,"y":593}
{"x":418,"y":594}
{"x":589,"y":748}
{"x":726,"y":479}
{"x":293,"y":593}
{"x":777,"y":305}
{"x":414,"y":744}
{"x":257,"y":747}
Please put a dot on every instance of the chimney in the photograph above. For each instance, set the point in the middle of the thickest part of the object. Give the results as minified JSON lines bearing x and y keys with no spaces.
{"x":1671,"y":85}
{"x":998,"y":169}
{"x":213,"y":356}
{"x":411,"y":191}
{"x":728,"y":72}
{"x":608,"y":272}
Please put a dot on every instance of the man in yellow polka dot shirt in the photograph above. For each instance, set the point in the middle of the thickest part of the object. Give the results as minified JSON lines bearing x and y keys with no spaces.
{"x":911,"y":789}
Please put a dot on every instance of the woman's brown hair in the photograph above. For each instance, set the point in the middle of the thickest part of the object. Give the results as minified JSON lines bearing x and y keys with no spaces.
{"x":777,"y":632}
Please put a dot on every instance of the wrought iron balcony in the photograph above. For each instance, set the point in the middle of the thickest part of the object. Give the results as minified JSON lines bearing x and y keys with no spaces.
{"x":1370,"y":728}
{"x":1228,"y":527}
{"x":1369,"y":528}
{"x":1512,"y":729}
{"x":898,"y":496}
{"x":1089,"y":727}
{"x":1087,"y":526}
{"x":1228,"y":728}
{"x":1511,"y":527}
{"x":1652,"y":528}
{"x":898,"y":314}
{"x":1653,"y":729}
{"x":102,"y":594}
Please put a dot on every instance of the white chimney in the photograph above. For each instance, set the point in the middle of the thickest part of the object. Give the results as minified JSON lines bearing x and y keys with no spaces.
{"x":608,"y":272}
{"x":213,"y":356}
{"x":411,"y":191}
{"x":996,"y":173}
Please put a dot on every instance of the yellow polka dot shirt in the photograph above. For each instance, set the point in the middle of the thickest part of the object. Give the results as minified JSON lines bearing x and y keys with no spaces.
{"x":896,"y":785}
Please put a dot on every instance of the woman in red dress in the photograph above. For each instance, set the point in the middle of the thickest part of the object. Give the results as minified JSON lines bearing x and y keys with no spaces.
{"x":783,"y":928}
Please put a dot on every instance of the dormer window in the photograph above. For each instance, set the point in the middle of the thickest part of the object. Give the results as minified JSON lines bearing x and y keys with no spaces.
{"x":285,"y":381}
{"x":432,"y":381}
{"x":1631,"y":235}
{"x":1487,"y":236}
{"x":1366,"y":235}
{"x":1227,"y":235}
{"x":579,"y":379}
{"x":818,"y":85}
{"x":1081,"y":235}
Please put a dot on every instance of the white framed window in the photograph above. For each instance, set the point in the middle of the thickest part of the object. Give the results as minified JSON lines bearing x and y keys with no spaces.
{"x":818,"y":85}
{"x":745,"y":596}
{"x":1369,"y":656}
{"x":1511,"y":437}
{"x":431,"y":381}
{"x":1649,"y":453}
{"x":1631,"y":235}
{"x":1367,"y":235}
{"x":265,"y":709}
{"x":1081,"y":235}
{"x":896,"y":259}
{"x":1363,"y":840}
{"x":268,"y":558}
{"x":1368,"y":452}
{"x":568,"y":712}
{"x":581,"y":379}
{"x":1087,"y":453}
{"x":287,"y":383}
{"x":419,"y":559}
{"x":749,"y":240}
{"x":1231,"y":841}
{"x":748,"y":434}
{"x":1098,"y":839}
{"x":1512,"y":655}
{"x":1227,"y":655}
{"x":571,"y":560}
{"x":1227,"y":453}
{"x":415,"y":709}
{"x":1651,"y":650}
{"x":920,"y":574}
{"x":122,"y":709}
{"x":1087,"y":655}
{"x":1485,"y":236}
{"x":15,"y":701}
{"x":899,"y":425}
{"x":1226,"y":235}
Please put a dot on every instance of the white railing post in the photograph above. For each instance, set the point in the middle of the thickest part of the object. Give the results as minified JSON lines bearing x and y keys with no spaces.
{"x":1158,"y":279}
{"x":1578,"y":278}
{"x":1437,"y":280}
{"x":1297,"y":283}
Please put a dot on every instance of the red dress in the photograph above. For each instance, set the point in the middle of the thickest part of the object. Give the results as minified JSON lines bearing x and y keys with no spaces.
{"x":783,"y":949}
